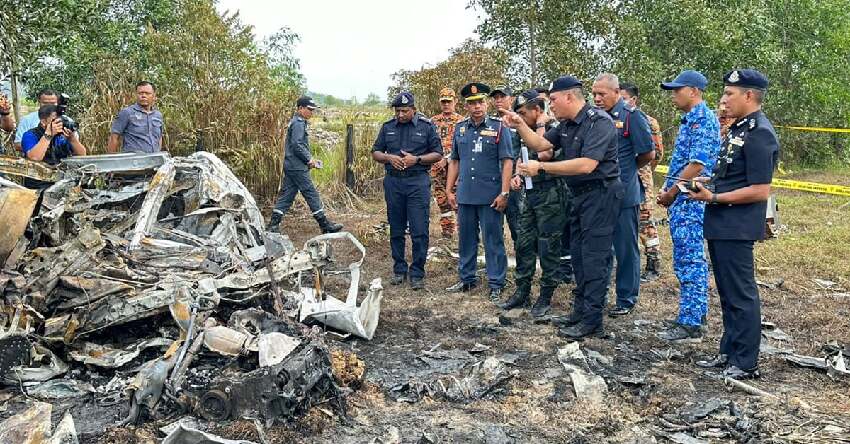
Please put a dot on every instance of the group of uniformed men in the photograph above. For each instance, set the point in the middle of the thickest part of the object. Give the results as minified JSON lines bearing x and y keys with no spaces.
{"x":570,"y":174}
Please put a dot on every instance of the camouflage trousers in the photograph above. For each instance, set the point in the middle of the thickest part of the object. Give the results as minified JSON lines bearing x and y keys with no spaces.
{"x":689,"y":263}
{"x":648,"y":231}
{"x":447,"y":214}
{"x":541,"y":223}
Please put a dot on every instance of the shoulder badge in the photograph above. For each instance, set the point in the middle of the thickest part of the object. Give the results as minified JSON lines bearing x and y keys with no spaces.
{"x":752,"y":123}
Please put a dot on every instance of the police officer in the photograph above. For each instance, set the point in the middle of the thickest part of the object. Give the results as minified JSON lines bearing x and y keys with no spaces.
{"x":694,"y":154}
{"x":502,"y":98}
{"x":408,"y":145}
{"x":635,"y":149}
{"x":481,"y":165}
{"x":734,"y":219}
{"x":297,"y":162}
{"x":648,"y":229}
{"x":587,"y":140}
{"x":541,"y":217}
{"x":446,"y":122}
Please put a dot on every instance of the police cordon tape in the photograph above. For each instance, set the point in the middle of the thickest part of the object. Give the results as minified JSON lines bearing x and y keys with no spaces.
{"x":816,"y":129}
{"x":813,"y":187}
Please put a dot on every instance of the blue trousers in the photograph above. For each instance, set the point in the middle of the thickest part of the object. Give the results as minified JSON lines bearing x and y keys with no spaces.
{"x":471,"y":219}
{"x":689,"y":263}
{"x":627,"y":255}
{"x":408,"y":204}
{"x":592,"y":221}
{"x":291,"y":184}
{"x":732,"y":261}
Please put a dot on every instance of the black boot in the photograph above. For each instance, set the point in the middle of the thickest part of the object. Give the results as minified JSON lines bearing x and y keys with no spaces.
{"x":566,"y":270}
{"x":326,"y":225}
{"x":274,"y":223}
{"x":541,"y":305}
{"x":518,"y":299}
{"x":653,"y":269}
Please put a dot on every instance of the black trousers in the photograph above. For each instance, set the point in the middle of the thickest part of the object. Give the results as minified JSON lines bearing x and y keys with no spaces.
{"x":732,"y":261}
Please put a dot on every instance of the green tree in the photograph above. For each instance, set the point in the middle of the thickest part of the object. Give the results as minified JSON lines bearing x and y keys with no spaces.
{"x":471,"y":61}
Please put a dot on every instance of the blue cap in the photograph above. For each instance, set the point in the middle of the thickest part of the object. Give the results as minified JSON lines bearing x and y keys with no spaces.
{"x":404,"y":98}
{"x":525,"y":98}
{"x":306,"y":101}
{"x":688,"y":77}
{"x":564,"y":83}
{"x":745,"y":78}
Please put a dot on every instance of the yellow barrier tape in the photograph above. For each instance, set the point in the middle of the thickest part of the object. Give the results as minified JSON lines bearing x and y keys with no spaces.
{"x":820,"y":130}
{"x":812,"y":187}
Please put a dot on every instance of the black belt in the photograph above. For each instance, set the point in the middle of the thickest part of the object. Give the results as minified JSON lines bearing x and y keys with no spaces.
{"x":543,"y":185}
{"x":590,"y":185}
{"x":405,"y":173}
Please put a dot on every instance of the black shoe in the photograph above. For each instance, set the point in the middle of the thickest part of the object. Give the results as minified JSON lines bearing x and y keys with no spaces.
{"x":496,"y":295}
{"x":517,"y":300}
{"x":462,"y":287}
{"x":733,"y":372}
{"x":543,"y":302}
{"x":566,"y":321}
{"x":652,"y":271}
{"x":581,"y":330}
{"x":617,"y":312}
{"x":718,"y":361}
{"x":326,"y":225}
{"x":683,"y":334}
{"x":274,"y":223}
{"x":417,"y":284}
{"x":398,"y":279}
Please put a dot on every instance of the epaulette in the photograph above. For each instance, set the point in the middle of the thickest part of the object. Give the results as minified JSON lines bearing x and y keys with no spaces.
{"x":422,"y":117}
{"x":753,"y":123}
{"x":392,"y":119}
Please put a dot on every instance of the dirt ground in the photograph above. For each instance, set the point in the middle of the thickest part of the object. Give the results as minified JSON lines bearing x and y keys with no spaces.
{"x":653,"y":386}
{"x":650,"y":381}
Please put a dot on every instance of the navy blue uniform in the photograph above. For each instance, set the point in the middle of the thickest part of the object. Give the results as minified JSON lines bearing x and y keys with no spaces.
{"x":408,"y":192}
{"x":296,"y":175}
{"x":748,"y":156}
{"x":634,"y":138}
{"x":596,"y":200}
{"x":480,"y":150}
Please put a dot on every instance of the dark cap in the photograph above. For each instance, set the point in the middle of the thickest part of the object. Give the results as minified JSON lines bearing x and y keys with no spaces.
{"x":564,"y":83}
{"x":474,"y":91}
{"x":688,"y":77}
{"x":746,"y":78}
{"x":525,"y":98}
{"x":403,"y":98}
{"x":306,"y":101}
{"x":502,"y":90}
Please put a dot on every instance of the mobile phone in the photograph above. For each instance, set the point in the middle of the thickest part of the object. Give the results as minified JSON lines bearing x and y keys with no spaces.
{"x":319,"y":163}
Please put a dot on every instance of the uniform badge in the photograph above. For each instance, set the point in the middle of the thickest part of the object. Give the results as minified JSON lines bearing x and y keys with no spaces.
{"x":734,"y":77}
{"x":618,"y":124}
{"x":521,"y":100}
{"x":489,"y":132}
{"x":462,"y":130}
{"x":404,"y":99}
{"x":473,"y":89}
{"x":737,"y":141}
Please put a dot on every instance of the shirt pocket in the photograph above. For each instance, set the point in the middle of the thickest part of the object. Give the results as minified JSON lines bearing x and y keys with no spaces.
{"x":417,"y":142}
{"x":156,"y":127}
{"x":569,"y":146}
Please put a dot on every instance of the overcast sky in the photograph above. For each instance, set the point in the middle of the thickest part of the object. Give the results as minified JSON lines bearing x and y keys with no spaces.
{"x":350,"y":48}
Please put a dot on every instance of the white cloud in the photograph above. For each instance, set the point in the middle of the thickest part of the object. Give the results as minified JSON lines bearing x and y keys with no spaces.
{"x":350,"y":48}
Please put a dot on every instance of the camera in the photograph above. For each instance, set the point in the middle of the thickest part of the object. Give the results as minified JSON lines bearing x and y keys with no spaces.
{"x":61,"y":109}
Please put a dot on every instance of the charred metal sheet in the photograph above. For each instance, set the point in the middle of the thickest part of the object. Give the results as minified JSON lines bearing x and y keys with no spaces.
{"x":108,"y":357}
{"x":18,"y":166}
{"x":16,"y":207}
{"x":74,"y":258}
{"x":115,"y":163}
{"x":157,"y":191}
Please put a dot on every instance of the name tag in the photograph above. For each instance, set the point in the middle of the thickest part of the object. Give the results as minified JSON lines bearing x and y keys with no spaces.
{"x":737,"y":141}
{"x":490,"y":133}
{"x":618,"y":124}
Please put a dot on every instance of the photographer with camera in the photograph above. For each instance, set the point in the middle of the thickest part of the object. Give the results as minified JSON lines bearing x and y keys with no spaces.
{"x":50,"y":142}
{"x":138,"y":128}
{"x":30,"y":121}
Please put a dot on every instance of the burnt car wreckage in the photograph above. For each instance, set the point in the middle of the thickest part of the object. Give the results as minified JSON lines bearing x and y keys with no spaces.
{"x":132,"y":256}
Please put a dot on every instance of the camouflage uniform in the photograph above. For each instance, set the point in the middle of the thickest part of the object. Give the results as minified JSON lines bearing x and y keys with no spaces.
{"x":648,"y":229}
{"x":446,"y":129}
{"x":698,"y":142}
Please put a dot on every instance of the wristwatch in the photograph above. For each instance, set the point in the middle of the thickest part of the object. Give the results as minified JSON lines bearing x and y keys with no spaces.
{"x":504,"y":194}
{"x":418,"y":159}
{"x":539,"y":125}
{"x":542,"y":170}
{"x":714,"y":198}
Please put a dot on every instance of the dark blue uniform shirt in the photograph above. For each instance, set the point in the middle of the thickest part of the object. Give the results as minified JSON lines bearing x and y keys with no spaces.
{"x":296,"y":147}
{"x":417,"y":137}
{"x":748,"y":156}
{"x":634,"y":138}
{"x":591,"y":134}
{"x":480,"y":150}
